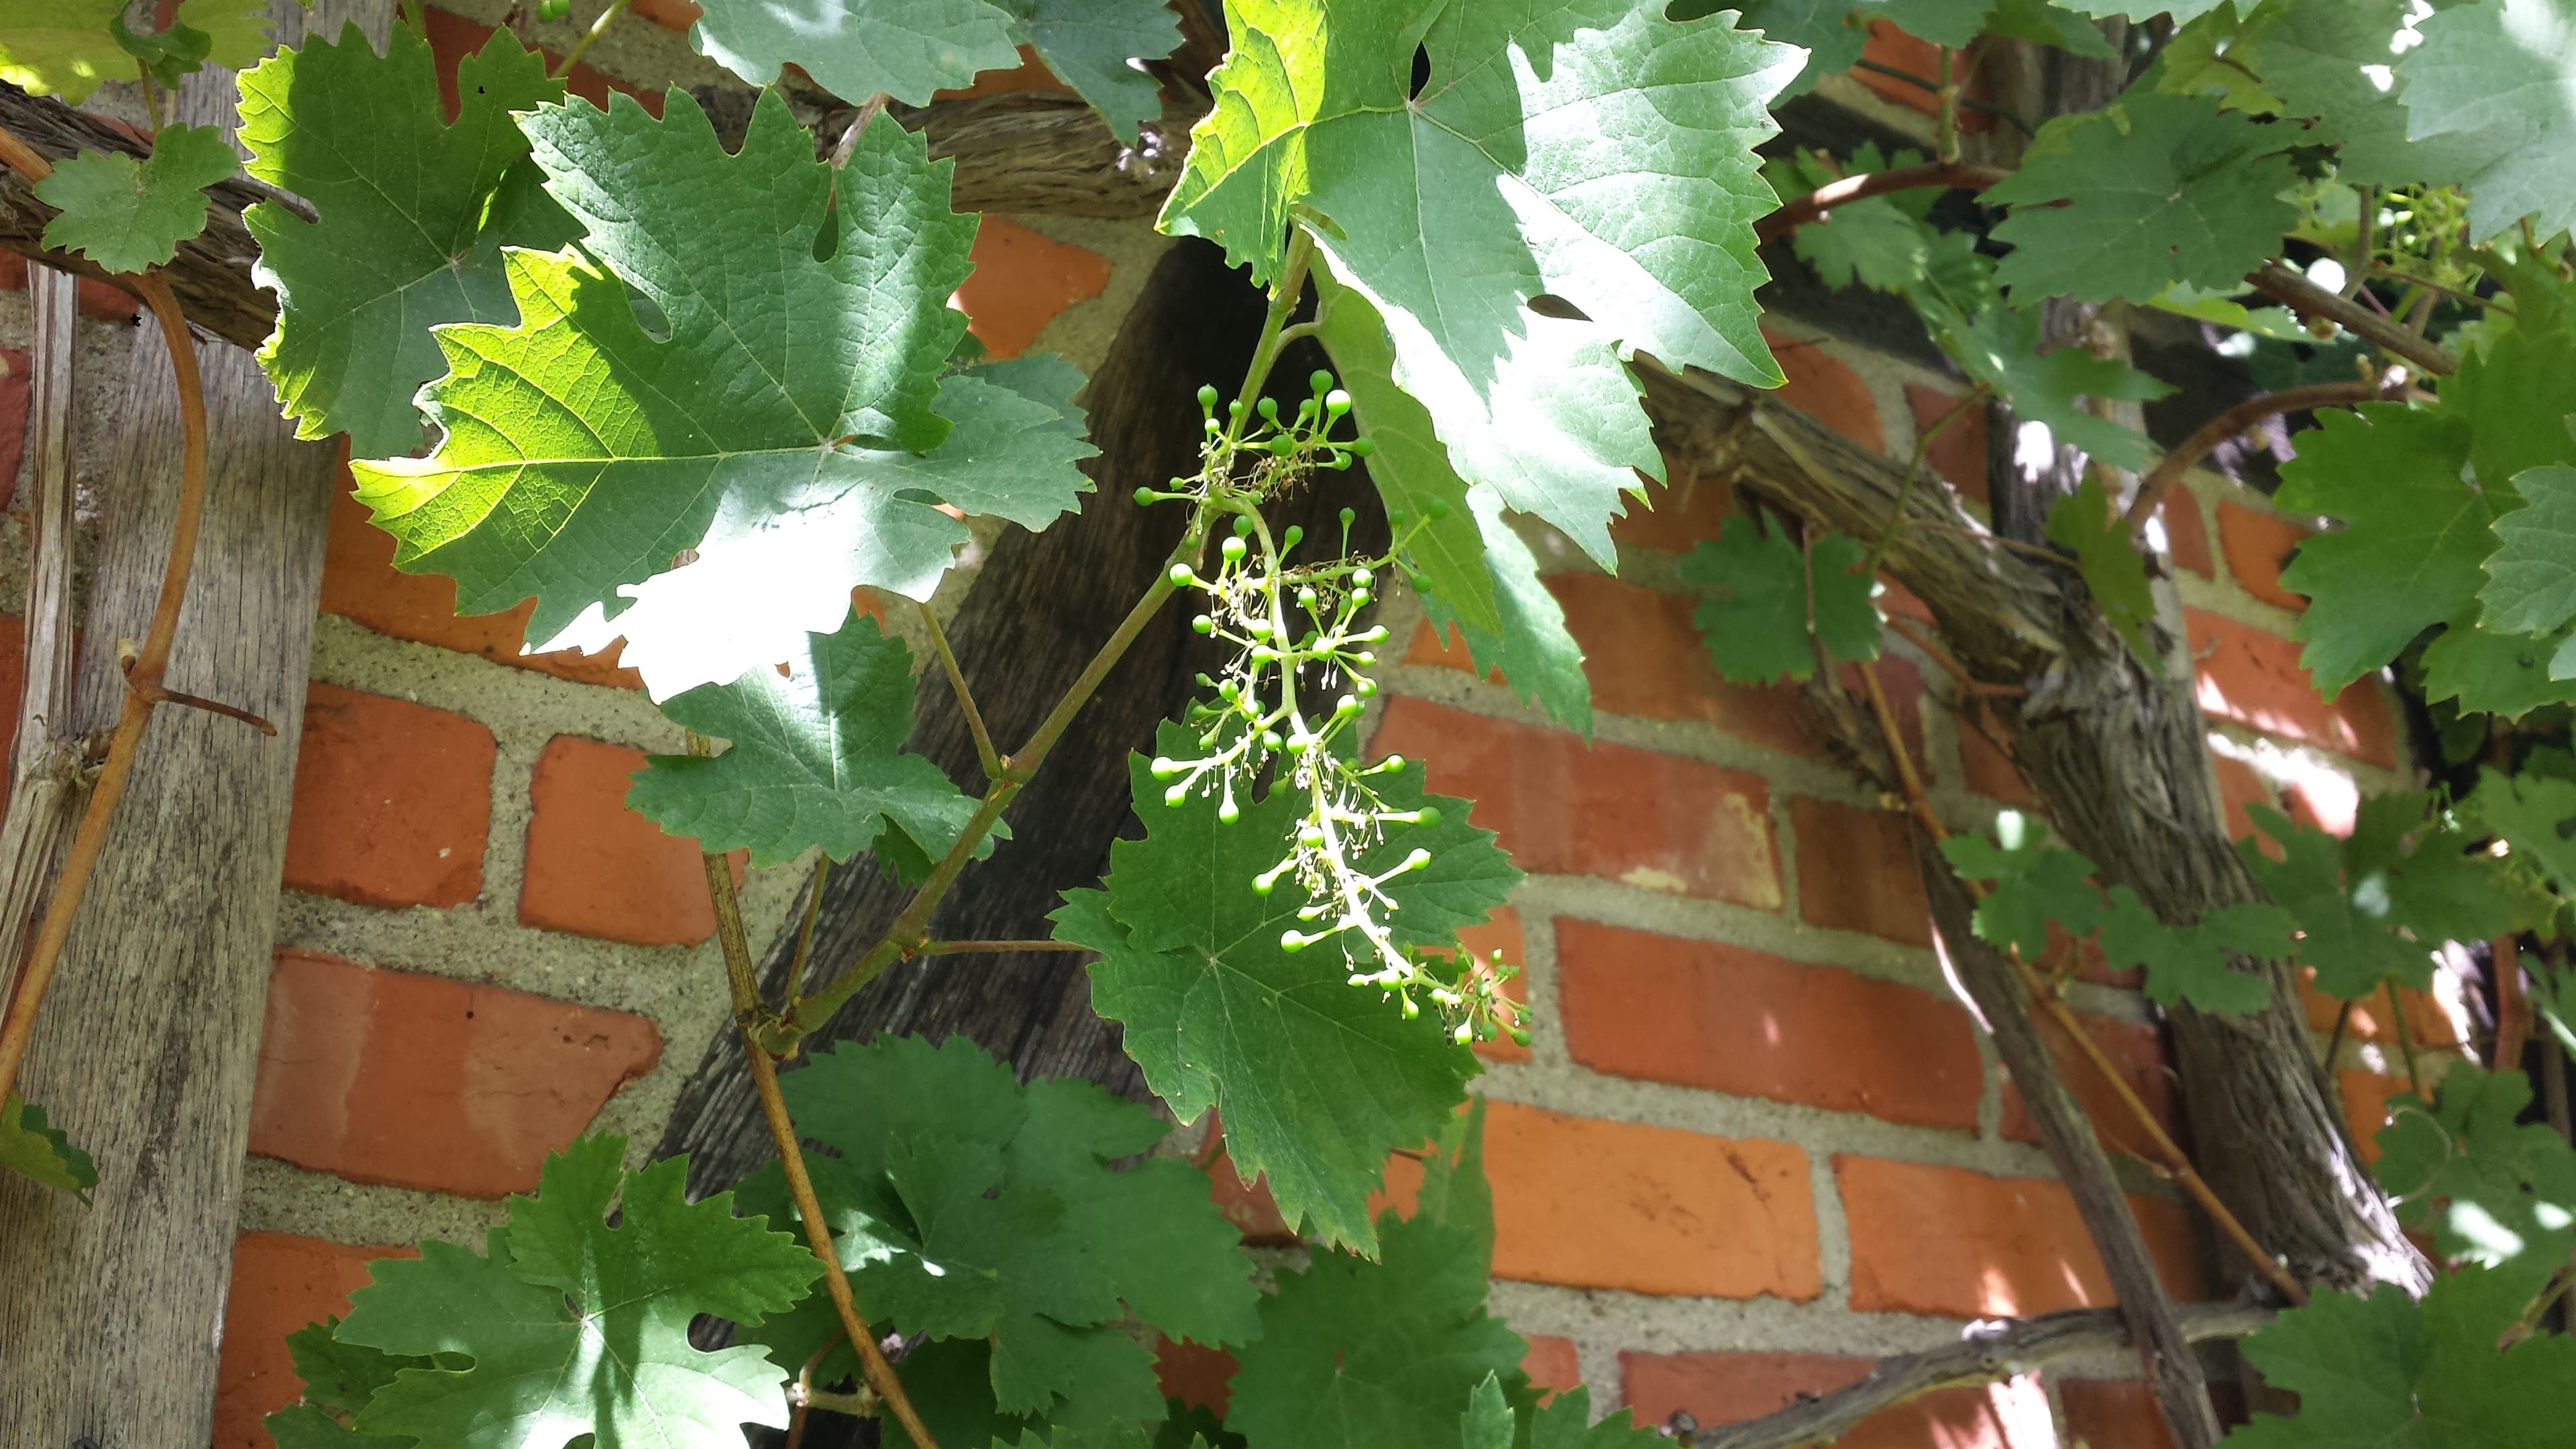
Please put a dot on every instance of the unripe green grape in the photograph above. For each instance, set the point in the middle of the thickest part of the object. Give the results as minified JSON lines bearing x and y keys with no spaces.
{"x":1391,"y":763}
{"x":1520,"y":1036}
{"x":1360,"y":447}
{"x":1182,"y":576}
{"x":1214,"y":427}
{"x":1365,"y":657}
{"x":1270,"y":739}
{"x":1207,"y":395}
{"x":1242,"y":526}
{"x":553,"y":9}
{"x":1294,"y":536}
{"x":1310,"y":837}
{"x":1175,"y":795}
{"x":1306,"y":598}
{"x":1411,"y":1010}
{"x":1365,"y":688}
{"x":1306,"y":410}
{"x":1234,"y":409}
{"x":1293,"y":942}
{"x":1319,"y":380}
{"x":1359,"y":598}
{"x":1234,"y":549}
{"x":1337,"y":402}
{"x":1282,"y":445}
{"x":1144,"y":495}
{"x":1164,"y":767}
{"x":1258,"y":628}
{"x":1203,"y":625}
{"x":1346,"y":706}
{"x":1417,"y":860}
{"x":1341,"y":463}
{"x":1204,"y":682}
{"x":1227,"y":812}
{"x":1427,"y":816}
{"x":1395,"y":518}
{"x":1436,"y":509}
{"x":1362,"y":577}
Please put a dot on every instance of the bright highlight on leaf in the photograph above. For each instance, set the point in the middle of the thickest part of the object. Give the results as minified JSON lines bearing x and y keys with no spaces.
{"x":973,"y":1207}
{"x":2494,"y":83}
{"x":61,"y":47}
{"x":567,"y":1327}
{"x":1453,"y":210}
{"x":2492,"y":1189}
{"x":127,"y":215}
{"x":812,"y":760}
{"x":1317,"y":1079}
{"x":414,"y":212}
{"x":2373,"y":906}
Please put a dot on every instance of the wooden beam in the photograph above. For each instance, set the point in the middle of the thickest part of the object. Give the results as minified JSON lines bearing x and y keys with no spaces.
{"x":149,"y":1042}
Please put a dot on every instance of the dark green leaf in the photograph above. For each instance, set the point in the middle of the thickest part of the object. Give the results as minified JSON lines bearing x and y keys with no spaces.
{"x":35,"y":1149}
{"x":2085,"y":524}
{"x":1770,"y":604}
{"x":2494,"y":1190}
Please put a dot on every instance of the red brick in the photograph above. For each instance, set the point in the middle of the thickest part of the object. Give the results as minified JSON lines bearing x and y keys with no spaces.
{"x":1195,"y":1375}
{"x":96,"y":298}
{"x":1502,"y":932}
{"x":1651,"y":820}
{"x":2140,"y":1054}
{"x":1958,"y":451}
{"x":13,"y":682}
{"x":2365,"y":1106}
{"x":1896,"y":50}
{"x":2239,"y":786}
{"x":392,"y":801}
{"x":1247,"y":1205}
{"x":1595,"y":1204}
{"x":1729,"y":1388}
{"x":1676,"y":515}
{"x":1022,"y":279}
{"x":2426,"y":1021}
{"x":1952,"y":1243}
{"x":596,"y":868}
{"x":1552,"y":1364}
{"x":280,"y":1283}
{"x":2254,"y":678}
{"x":2113,"y":1414}
{"x":1820,"y":385}
{"x":669,"y":14}
{"x":1856,"y":872}
{"x":361,"y":584}
{"x":2186,"y":536}
{"x":1990,"y":771}
{"x":429,"y":1083}
{"x":2258,"y":547}
{"x":15,"y":374}
{"x":452,"y":37}
{"x":1734,"y":1020}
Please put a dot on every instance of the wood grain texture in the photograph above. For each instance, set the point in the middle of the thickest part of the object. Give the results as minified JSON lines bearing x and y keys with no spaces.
{"x":44,"y":780}
{"x":110,"y":1315}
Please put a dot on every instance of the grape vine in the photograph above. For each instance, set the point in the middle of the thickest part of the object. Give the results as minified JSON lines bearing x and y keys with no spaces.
{"x":696,"y":390}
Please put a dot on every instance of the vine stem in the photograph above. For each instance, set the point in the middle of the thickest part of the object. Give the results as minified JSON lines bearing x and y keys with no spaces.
{"x":598,"y":28}
{"x":967,"y":948}
{"x":984,"y":753}
{"x":1814,"y":205}
{"x":2168,"y":473}
{"x":143,"y":672}
{"x":2175,"y":1161}
{"x":2310,"y":300}
{"x":741,"y":977}
{"x":1922,"y":445}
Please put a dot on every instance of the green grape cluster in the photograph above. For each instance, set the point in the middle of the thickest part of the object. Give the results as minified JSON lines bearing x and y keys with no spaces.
{"x":1284,"y":708}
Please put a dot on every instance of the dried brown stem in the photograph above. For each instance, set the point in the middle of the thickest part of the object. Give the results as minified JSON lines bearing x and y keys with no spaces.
{"x":2310,"y":300}
{"x":2186,"y":455}
{"x":1814,"y":205}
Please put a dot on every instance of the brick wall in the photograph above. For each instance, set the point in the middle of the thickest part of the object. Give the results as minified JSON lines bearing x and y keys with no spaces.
{"x":1755,"y":1142}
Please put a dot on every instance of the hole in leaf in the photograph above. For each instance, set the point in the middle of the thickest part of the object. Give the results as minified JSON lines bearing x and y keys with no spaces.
{"x":1421,"y":72}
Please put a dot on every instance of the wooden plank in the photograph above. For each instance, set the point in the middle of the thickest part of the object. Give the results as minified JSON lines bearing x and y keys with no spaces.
{"x":110,"y":1315}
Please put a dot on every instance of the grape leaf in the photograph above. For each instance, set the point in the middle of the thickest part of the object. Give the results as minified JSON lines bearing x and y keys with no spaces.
{"x":2349,"y":917}
{"x":61,"y":47}
{"x":339,"y":1378}
{"x":1951,"y":23}
{"x":2494,"y":1190}
{"x":127,"y":215}
{"x":1012,"y":450}
{"x":1488,"y":1422}
{"x":2531,"y":577}
{"x":1874,"y":242}
{"x":301,"y":1426}
{"x":237,"y":31}
{"x":1383,"y":1355}
{"x":2481,"y":671}
{"x":1768,"y":600}
{"x":857,"y":48}
{"x":813,"y":760}
{"x":2157,"y":189}
{"x":1832,"y":32}
{"x":2390,"y":1372}
{"x":413,"y":214}
{"x":1317,"y":1079}
{"x":2190,"y":963}
{"x":1473,"y":571}
{"x":1998,"y":345}
{"x":2086,"y":525}
{"x":1452,"y":209}
{"x":2493,"y":80}
{"x":575,"y":1328}
{"x":2182,"y":12}
{"x":1090,"y":45}
{"x":983,"y":1209}
{"x":2414,"y":534}
{"x":2533,"y":813}
{"x":2318,"y":56}
{"x":2044,"y":22}
{"x":2031,"y":883}
{"x":41,"y":1152}
{"x":582,"y":452}
{"x":2436,"y":880}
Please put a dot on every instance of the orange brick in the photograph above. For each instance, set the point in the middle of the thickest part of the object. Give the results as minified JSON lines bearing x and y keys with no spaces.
{"x":1833,"y":393}
{"x":1651,"y":820}
{"x":429,"y":1083}
{"x":1952,"y":1243}
{"x":2240,"y":785}
{"x":2140,"y":1054}
{"x":1739,"y":1021}
{"x":1022,"y":279}
{"x":1676,"y":515}
{"x":1958,"y":451}
{"x":1595,"y":1204}
{"x":1029,"y":75}
{"x":669,"y":14}
{"x":596,"y":868}
{"x":1856,"y":872}
{"x":1896,"y":50}
{"x":2186,"y":536}
{"x":361,"y":584}
{"x":2365,"y":1107}
{"x":2426,"y":1021}
{"x":1195,"y":1375}
{"x":280,"y":1283}
{"x":452,"y":37}
{"x":392,"y":801}
{"x":2254,"y":678}
{"x":1552,"y":1364}
{"x":13,"y":682}
{"x":1729,"y":1388}
{"x":2113,"y":1414}
{"x":1247,"y":1205}
{"x":1982,"y":759}
{"x":2258,"y":546}
{"x":15,"y":372}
